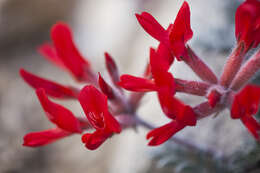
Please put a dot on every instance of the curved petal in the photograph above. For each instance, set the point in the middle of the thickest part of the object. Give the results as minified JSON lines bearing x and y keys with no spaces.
{"x":252,"y":125}
{"x":52,"y":88}
{"x":49,"y":52}
{"x":93,"y":140}
{"x":181,"y":31}
{"x":62,"y":38}
{"x":138,"y":84}
{"x":162,"y":134}
{"x":248,"y":23}
{"x":94,"y":104}
{"x":152,"y":27}
{"x":58,"y":114}
{"x":37,"y":139}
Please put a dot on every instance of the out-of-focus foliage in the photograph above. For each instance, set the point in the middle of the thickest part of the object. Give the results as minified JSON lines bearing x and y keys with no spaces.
{"x":176,"y":159}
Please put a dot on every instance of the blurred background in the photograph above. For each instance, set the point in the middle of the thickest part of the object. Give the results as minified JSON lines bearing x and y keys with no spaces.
{"x":110,"y":25}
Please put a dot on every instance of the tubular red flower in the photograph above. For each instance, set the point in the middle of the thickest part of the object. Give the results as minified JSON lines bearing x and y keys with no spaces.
{"x":181,"y":31}
{"x":53,"y":89}
{"x":37,"y":139}
{"x":62,"y":39}
{"x":94,"y":104}
{"x":162,"y":134}
{"x":138,"y":84}
{"x":248,"y":23}
{"x":58,"y":114}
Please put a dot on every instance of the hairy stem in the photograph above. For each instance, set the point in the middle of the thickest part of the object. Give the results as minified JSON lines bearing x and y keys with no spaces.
{"x":232,"y":65}
{"x":246,"y":72}
{"x":204,"y":109}
{"x":199,"y":67}
{"x":191,"y":87}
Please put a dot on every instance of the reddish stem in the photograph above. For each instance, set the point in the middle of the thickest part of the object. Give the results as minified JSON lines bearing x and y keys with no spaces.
{"x":232,"y":65}
{"x":191,"y":87}
{"x":204,"y":109}
{"x":199,"y":67}
{"x":247,"y":71}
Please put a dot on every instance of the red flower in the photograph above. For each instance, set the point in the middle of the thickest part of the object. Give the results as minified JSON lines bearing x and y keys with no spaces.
{"x":245,"y":105}
{"x":176,"y":36}
{"x":58,"y":114}
{"x":67,"y":124}
{"x":164,"y":80}
{"x":162,"y":134}
{"x":65,"y":54}
{"x":248,"y":23}
{"x":181,"y":31}
{"x":94,"y":104}
{"x":163,"y":83}
{"x":52,"y":89}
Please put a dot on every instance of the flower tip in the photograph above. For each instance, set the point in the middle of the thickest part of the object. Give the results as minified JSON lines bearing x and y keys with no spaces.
{"x":40,"y":92}
{"x":22,"y":72}
{"x":137,"y":15}
{"x":60,"y":26}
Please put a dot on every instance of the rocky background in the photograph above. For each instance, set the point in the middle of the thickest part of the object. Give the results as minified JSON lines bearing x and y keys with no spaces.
{"x":98,"y":26}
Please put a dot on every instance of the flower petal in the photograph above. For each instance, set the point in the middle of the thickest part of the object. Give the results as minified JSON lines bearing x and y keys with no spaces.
{"x":162,"y":134}
{"x":152,"y":27}
{"x":181,"y":31}
{"x":175,"y":109}
{"x":252,"y":125}
{"x":248,"y":23}
{"x":53,"y":89}
{"x":68,"y":53}
{"x":93,"y":140}
{"x":112,"y":68}
{"x":106,"y":88}
{"x":246,"y":102}
{"x":159,"y":68}
{"x":58,"y":114}
{"x":138,"y":84}
{"x":49,"y":52}
{"x":213,"y":98}
{"x":36,"y":139}
{"x":94,"y":104}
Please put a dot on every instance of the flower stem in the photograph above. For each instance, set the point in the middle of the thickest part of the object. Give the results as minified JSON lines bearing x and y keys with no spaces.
{"x":199,"y":67}
{"x":246,"y":72}
{"x":232,"y":65}
{"x":191,"y":87}
{"x":204,"y":109}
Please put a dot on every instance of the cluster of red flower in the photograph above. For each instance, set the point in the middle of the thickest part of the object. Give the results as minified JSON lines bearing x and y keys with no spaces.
{"x":229,"y":91}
